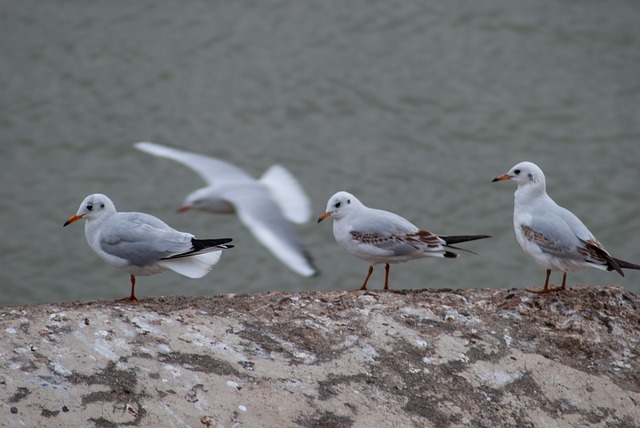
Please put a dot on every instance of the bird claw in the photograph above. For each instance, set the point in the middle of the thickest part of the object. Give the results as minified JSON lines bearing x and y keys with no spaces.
{"x":128,"y":299}
{"x":545,"y":290}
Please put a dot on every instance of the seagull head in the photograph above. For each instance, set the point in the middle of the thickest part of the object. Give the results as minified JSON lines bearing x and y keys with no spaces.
{"x":206,"y":199}
{"x":339,"y":205}
{"x":524,"y":173}
{"x":93,"y":207}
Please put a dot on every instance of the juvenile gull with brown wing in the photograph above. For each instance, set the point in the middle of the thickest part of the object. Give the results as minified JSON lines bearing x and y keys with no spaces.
{"x":553,"y":236}
{"x":378,"y":236}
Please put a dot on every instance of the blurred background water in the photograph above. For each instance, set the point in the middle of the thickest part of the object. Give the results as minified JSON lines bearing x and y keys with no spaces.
{"x":412,"y":106}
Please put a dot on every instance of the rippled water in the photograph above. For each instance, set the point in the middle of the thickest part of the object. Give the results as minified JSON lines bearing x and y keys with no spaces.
{"x":412,"y":106}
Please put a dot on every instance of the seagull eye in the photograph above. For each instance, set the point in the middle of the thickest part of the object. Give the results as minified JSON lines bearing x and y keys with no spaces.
{"x":337,"y":205}
{"x":516,"y":172}
{"x":101,"y":205}
{"x":348,"y":201}
{"x":90,"y":207}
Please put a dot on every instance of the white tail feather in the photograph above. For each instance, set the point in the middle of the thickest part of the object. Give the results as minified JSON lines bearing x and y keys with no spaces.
{"x":193,"y":266}
{"x":287,"y":193}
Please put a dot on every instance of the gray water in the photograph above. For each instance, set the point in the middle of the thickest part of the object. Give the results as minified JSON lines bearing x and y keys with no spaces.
{"x":412,"y":106}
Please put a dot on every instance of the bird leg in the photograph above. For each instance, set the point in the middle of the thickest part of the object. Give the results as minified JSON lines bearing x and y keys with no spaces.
{"x":545,"y":289}
{"x":386,"y":276}
{"x":364,"y":284}
{"x":564,"y":283}
{"x":548,"y":289}
{"x":133,"y":297}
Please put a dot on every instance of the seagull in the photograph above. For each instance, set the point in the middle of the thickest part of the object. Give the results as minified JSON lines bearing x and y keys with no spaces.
{"x":265,"y":206}
{"x":142,"y":244}
{"x":378,"y":236}
{"x":553,"y":236}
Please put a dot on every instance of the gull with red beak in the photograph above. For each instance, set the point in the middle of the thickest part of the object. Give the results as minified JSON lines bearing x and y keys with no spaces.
{"x":553,"y":236}
{"x":378,"y":236}
{"x":142,"y":244}
{"x":265,"y":206}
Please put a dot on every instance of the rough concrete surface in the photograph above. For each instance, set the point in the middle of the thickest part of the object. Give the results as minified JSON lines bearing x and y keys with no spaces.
{"x":426,"y":358}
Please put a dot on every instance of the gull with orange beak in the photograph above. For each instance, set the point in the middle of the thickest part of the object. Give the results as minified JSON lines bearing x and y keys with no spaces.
{"x":378,"y":236}
{"x":553,"y":236}
{"x":142,"y":244}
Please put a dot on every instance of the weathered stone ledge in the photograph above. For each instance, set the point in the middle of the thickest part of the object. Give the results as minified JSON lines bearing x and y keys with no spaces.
{"x":476,"y":357}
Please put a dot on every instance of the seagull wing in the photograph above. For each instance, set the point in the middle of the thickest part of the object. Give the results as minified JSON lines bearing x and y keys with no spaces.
{"x":258,"y":211}
{"x":141,"y":238}
{"x":288,"y":194}
{"x":388,"y":231}
{"x":210,"y":169}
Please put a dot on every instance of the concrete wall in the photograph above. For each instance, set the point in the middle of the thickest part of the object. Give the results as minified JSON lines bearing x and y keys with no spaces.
{"x":440,"y":358}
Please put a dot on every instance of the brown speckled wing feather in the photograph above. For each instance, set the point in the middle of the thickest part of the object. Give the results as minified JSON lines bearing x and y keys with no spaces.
{"x":593,"y":250}
{"x":546,"y":244}
{"x":417,"y":240}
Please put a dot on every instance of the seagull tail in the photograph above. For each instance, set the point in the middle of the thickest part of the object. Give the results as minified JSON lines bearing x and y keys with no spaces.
{"x":197,"y":262}
{"x":196,"y":266}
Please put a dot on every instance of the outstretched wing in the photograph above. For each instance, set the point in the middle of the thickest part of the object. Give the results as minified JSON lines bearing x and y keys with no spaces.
{"x":288,"y":194}
{"x":210,"y":169}
{"x":257,"y":210}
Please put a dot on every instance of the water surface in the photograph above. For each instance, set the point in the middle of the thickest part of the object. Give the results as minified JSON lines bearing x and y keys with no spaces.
{"x":412,"y":106}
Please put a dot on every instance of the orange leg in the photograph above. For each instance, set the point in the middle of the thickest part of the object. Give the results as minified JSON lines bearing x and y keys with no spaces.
{"x":386,"y":276}
{"x":133,"y":297}
{"x":564,"y":283}
{"x":364,"y":284}
{"x":546,"y":285}
{"x":546,"y":288}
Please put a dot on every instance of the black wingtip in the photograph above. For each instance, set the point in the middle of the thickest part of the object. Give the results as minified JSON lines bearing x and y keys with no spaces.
{"x":625,"y":265}
{"x":201,"y":244}
{"x":462,"y":238}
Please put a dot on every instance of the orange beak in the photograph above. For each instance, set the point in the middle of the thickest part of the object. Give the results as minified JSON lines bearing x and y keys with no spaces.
{"x":72,"y":219}
{"x":501,"y":177}
{"x":323,"y":216}
{"x":184,"y":208}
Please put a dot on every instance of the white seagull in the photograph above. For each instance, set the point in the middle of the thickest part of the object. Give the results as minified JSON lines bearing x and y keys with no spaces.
{"x":265,"y":206}
{"x":142,"y":244}
{"x":378,"y":236}
{"x":555,"y":238}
